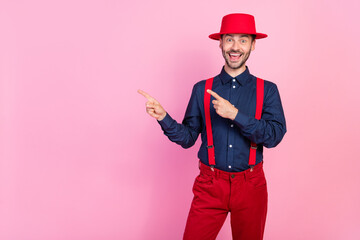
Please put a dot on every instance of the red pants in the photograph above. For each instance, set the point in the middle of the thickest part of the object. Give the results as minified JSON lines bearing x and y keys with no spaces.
{"x":216,"y":193}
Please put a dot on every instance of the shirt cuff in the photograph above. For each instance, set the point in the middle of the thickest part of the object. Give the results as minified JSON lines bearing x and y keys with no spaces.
{"x":242,"y":120}
{"x":166,"y":122}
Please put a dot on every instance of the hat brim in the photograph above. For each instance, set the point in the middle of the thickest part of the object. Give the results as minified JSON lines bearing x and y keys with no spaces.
{"x":216,"y":36}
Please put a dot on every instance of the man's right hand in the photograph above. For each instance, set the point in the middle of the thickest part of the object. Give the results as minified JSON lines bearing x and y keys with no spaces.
{"x":153,"y":107}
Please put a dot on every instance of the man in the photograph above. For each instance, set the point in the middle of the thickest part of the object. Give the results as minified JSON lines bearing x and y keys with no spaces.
{"x":231,"y":176}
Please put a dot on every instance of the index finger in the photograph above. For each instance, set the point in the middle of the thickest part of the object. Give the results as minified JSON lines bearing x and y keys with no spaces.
{"x":150,"y":98}
{"x":214,"y":94}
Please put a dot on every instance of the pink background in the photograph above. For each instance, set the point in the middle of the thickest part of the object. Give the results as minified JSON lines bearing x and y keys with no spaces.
{"x":80,"y":158}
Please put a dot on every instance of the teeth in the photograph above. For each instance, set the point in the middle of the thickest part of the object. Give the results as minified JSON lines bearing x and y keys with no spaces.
{"x":235,"y":55}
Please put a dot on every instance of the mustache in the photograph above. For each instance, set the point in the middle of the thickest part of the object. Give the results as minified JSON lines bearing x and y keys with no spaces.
{"x":232,"y":51}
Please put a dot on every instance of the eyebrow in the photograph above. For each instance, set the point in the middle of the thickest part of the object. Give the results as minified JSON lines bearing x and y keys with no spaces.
{"x":242,"y":35}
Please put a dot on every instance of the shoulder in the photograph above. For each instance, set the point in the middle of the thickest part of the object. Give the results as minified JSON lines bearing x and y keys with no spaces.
{"x":200,"y":84}
{"x":271,"y":92}
{"x":199,"y":87}
{"x":268,"y":85}
{"x":270,"y":88}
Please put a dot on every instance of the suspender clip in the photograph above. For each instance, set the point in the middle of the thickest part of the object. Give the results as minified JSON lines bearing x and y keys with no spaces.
{"x":252,"y":168}
{"x":212,"y":167}
{"x":254,"y":146}
{"x":211,"y":146}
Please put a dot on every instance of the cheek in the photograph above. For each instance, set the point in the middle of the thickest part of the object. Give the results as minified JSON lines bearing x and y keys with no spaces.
{"x":225,"y":48}
{"x":247,"y":49}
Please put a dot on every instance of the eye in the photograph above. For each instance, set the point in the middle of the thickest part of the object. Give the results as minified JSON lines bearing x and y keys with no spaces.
{"x":243,"y":41}
{"x":228,"y":39}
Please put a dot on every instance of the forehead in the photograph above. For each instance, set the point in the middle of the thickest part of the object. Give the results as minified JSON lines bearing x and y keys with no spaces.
{"x":237,"y":35}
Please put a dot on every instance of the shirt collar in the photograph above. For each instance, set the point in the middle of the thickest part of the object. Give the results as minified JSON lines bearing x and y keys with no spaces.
{"x":241,"y":78}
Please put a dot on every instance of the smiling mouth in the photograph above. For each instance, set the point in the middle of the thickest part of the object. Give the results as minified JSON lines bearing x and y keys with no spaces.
{"x":235,"y":56}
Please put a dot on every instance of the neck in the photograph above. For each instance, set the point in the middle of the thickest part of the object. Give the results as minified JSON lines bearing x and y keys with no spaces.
{"x":234,"y":72}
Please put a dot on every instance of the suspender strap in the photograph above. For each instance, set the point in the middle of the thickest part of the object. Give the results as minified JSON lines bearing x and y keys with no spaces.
{"x":259,"y":105}
{"x":210,"y":141}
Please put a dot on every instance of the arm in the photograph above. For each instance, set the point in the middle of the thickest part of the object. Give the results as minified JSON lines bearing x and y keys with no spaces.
{"x":271,"y":128}
{"x":184,"y":134}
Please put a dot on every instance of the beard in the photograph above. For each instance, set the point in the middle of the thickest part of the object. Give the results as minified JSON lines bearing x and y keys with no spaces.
{"x":236,"y":65}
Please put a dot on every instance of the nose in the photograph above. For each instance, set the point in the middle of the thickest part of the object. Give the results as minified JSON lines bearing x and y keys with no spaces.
{"x":236,"y":45}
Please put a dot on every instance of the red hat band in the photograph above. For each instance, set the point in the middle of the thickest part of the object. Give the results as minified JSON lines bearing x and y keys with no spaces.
{"x":238,"y":23}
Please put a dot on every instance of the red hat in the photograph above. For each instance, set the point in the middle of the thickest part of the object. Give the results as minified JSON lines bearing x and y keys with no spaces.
{"x":238,"y":23}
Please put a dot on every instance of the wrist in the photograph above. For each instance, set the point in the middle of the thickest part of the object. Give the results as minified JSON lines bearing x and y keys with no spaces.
{"x":233,"y":116}
{"x":162,"y":117}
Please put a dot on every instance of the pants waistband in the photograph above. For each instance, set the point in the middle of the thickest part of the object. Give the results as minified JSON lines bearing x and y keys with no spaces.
{"x":226,"y":175}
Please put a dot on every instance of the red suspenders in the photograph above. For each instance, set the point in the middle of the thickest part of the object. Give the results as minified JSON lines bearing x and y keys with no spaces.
{"x":210,"y":146}
{"x":259,"y":105}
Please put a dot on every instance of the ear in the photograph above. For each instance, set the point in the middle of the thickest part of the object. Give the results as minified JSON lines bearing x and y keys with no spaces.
{"x":253,"y":45}
{"x":220,"y":43}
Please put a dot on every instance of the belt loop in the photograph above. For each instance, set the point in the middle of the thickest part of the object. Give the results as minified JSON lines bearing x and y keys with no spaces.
{"x":214,"y":172}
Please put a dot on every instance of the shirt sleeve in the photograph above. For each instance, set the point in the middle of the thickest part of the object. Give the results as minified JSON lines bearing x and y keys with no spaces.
{"x":186,"y":133}
{"x":271,"y":128}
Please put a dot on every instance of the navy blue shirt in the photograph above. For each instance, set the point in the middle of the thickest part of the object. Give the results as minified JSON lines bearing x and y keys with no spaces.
{"x":231,"y":138}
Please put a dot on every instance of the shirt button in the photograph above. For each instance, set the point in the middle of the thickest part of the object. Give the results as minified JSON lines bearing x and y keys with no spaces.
{"x":234,"y":80}
{"x":230,"y":145}
{"x":229,"y":166}
{"x":234,"y":87}
{"x":232,"y":175}
{"x":232,"y":125}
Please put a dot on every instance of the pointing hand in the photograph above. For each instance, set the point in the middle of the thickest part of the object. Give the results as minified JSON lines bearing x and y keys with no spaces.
{"x":223,"y":107}
{"x":153,"y":107}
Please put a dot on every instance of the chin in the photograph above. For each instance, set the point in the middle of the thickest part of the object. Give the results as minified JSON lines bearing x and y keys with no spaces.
{"x":235,"y":66}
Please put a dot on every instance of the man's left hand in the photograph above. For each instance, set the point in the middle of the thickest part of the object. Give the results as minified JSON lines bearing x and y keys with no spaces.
{"x":223,"y":107}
